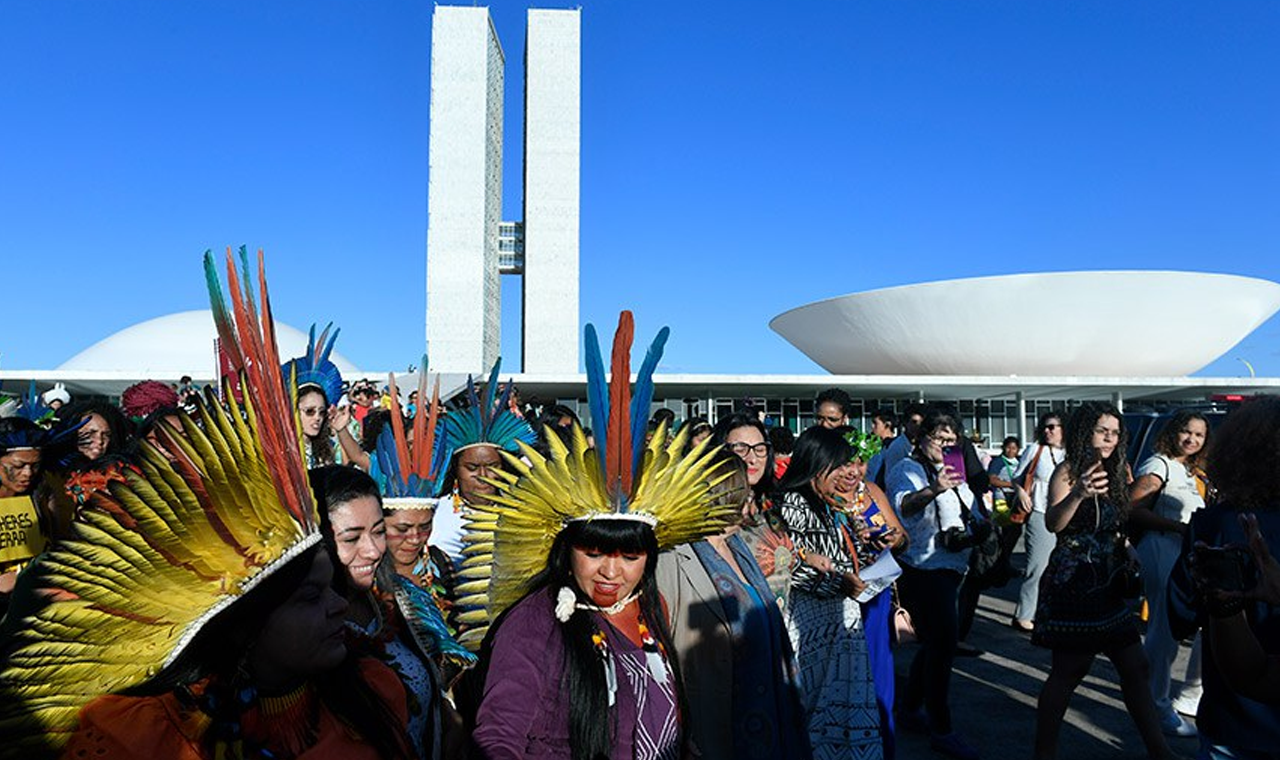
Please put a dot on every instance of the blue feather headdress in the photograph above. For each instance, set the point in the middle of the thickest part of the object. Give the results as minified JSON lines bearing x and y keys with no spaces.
{"x":30,"y":407}
{"x":486,"y":422}
{"x":314,"y":368}
{"x":408,"y":472}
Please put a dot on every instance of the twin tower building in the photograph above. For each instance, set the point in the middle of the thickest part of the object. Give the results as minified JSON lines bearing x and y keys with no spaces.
{"x":469,"y":245}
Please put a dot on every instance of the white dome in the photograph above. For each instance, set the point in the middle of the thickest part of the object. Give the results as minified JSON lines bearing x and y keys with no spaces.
{"x":1104,"y":324}
{"x":178,"y":344}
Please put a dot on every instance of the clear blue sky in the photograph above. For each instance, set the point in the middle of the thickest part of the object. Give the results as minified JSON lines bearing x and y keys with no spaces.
{"x":738,"y":159}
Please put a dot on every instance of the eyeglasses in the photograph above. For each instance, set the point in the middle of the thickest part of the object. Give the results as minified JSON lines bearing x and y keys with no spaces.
{"x":1051,"y":426}
{"x":740,"y":449}
{"x":311,"y":411}
{"x":944,"y":440}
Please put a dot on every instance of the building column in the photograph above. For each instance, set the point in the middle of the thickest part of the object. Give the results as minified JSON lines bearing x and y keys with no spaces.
{"x":1022,"y":417}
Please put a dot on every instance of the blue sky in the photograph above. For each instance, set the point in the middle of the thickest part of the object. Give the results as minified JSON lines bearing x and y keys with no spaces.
{"x":738,"y":159}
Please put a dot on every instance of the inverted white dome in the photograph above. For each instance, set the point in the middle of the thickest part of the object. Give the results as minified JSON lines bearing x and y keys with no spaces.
{"x":179,"y":344}
{"x":1105,"y":324}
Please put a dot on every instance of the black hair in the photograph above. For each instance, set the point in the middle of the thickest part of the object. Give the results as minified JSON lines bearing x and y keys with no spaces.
{"x":695,"y":426}
{"x":782,"y":439}
{"x":1244,"y":463}
{"x":1080,"y":454}
{"x":1015,"y":440}
{"x":1042,"y":431}
{"x":818,"y":451}
{"x":66,"y":454}
{"x":374,"y":422}
{"x":1167,"y":439}
{"x":886,"y":415}
{"x":726,"y":425}
{"x":548,"y":424}
{"x":12,"y":426}
{"x":583,"y":680}
{"x":834,"y":396}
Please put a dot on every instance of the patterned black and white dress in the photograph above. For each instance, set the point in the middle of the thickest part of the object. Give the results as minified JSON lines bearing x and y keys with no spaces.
{"x":826,"y":632}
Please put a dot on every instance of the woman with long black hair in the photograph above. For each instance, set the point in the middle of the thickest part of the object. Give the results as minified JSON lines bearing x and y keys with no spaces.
{"x":826,"y":622}
{"x":581,"y":664}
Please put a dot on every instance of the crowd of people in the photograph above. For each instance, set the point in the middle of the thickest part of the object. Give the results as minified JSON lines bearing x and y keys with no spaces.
{"x":294,"y":566}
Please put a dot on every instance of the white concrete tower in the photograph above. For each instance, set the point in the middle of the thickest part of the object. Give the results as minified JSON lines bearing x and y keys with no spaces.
{"x":552,"y":136}
{"x":464,"y":191}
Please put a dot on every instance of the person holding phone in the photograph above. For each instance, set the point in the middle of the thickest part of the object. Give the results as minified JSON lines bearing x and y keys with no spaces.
{"x":932,"y":500}
{"x":1083,"y":610}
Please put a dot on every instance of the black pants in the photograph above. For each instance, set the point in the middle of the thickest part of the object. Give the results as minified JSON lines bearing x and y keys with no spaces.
{"x":931,"y":598}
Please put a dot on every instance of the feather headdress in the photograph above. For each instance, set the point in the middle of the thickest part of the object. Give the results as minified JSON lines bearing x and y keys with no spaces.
{"x":152,"y":563}
{"x":407,"y":472}
{"x":30,"y":407}
{"x":487,"y":421}
{"x":623,"y":478}
{"x":314,"y":368}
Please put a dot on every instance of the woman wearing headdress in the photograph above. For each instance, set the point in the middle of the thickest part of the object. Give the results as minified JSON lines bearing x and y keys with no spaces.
{"x":875,"y":529}
{"x":318,"y":385}
{"x":24,"y":526}
{"x":474,"y":439}
{"x":826,"y":622}
{"x":580,"y":664}
{"x":405,"y":462}
{"x":731,"y":640}
{"x":193,"y":616}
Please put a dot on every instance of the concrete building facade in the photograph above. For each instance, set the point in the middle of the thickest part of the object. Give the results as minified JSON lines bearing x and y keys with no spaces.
{"x":552,"y":136}
{"x":464,"y":190}
{"x":468,"y":244}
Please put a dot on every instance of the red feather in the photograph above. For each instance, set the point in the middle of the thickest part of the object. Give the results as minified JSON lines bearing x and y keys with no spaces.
{"x":426,"y":436}
{"x":618,"y":435}
{"x":397,"y":428}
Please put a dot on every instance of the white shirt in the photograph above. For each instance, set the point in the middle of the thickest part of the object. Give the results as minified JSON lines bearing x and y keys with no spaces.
{"x":1049,"y":461}
{"x":1180,"y":496}
{"x":925,"y":552}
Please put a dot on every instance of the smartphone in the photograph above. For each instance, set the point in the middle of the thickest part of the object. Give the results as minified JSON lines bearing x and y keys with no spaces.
{"x":1230,"y":568}
{"x":953,"y":457}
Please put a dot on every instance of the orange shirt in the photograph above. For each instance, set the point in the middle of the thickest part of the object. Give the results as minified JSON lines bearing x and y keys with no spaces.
{"x":115,"y":726}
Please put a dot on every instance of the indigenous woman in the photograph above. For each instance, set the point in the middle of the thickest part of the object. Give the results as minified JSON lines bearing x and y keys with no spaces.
{"x":730,"y":639}
{"x":1083,"y":610}
{"x":474,"y":438}
{"x":404,"y":463}
{"x":936,"y":507}
{"x":875,"y":528}
{"x":319,"y":387}
{"x":400,"y":625}
{"x":1041,"y":459}
{"x":198,"y":592}
{"x":826,"y":623}
{"x":21,"y":444}
{"x":1170,"y":488}
{"x":581,"y":665}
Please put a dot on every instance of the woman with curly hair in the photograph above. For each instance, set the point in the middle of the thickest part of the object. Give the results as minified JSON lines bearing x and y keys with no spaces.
{"x":1169,"y":488}
{"x":1083,"y":610}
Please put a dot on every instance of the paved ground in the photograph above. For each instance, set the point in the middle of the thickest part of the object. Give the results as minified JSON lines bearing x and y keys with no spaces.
{"x":993,"y":697}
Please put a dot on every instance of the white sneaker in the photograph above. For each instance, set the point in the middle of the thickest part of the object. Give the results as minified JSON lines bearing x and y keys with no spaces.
{"x":1173,"y":724}
{"x":1188,"y":702}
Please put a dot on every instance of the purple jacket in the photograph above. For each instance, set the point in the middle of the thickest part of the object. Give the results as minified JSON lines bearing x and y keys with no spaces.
{"x":525,"y":711}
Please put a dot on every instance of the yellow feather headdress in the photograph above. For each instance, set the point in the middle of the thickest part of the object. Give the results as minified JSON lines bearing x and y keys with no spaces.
{"x":168,"y":549}
{"x":624,"y":477}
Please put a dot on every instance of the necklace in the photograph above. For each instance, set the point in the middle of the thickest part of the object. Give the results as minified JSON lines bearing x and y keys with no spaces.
{"x":612,"y":609}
